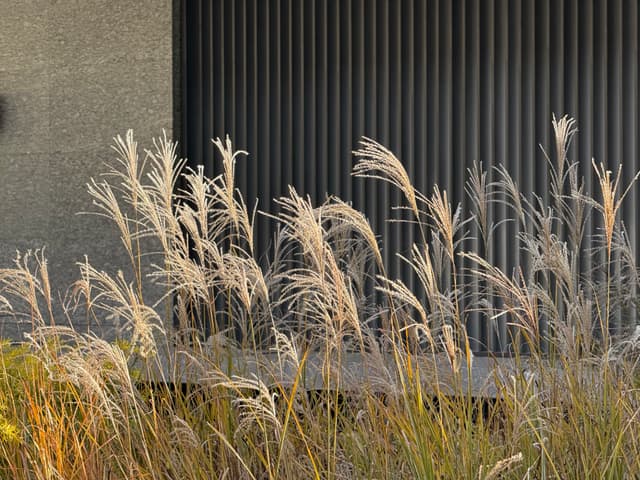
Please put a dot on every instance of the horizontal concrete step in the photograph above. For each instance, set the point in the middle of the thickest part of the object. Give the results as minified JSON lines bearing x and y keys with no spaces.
{"x":380,"y":373}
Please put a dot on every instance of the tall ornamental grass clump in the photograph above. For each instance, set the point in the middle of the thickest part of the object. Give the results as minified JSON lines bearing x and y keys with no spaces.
{"x":170,"y":397}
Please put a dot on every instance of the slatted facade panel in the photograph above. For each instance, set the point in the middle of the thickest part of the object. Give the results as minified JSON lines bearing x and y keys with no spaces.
{"x":442,"y":83}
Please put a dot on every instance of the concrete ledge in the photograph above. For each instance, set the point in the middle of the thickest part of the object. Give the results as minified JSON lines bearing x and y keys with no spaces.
{"x":352,"y":372}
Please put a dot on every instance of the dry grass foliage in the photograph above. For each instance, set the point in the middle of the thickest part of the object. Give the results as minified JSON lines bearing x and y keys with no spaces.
{"x":74,"y":406}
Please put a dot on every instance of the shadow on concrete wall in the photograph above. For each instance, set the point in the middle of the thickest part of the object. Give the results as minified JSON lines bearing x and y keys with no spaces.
{"x":4,"y":102}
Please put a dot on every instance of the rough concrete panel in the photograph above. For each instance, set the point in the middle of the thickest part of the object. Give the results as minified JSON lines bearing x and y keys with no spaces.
{"x":93,"y":102}
{"x":74,"y":227}
{"x":24,"y":204}
{"x":95,"y":31}
{"x":24,"y":110}
{"x":73,"y":74}
{"x":72,"y":233}
{"x":23,"y":41}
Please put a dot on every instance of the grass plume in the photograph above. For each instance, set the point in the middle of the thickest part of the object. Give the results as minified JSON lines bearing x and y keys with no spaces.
{"x":246,"y":369}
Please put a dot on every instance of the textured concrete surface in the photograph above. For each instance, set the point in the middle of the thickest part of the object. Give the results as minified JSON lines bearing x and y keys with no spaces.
{"x":357,"y":372}
{"x":73,"y":74}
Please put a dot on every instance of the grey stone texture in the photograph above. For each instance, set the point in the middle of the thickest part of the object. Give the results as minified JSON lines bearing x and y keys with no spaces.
{"x":73,"y":74}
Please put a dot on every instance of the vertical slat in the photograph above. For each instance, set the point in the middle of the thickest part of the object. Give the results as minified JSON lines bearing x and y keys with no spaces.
{"x":458,"y":72}
{"x":407,"y":107}
{"x":542,"y":105}
{"x":395,"y":126}
{"x":322,"y":160}
{"x":494,"y":338}
{"x":585,"y":115}
{"x":309,"y":98}
{"x":421,"y":116}
{"x":614,"y":121}
{"x":193,"y":76}
{"x":571,"y":59}
{"x":459,"y":99}
{"x":433,"y":98}
{"x":299,"y":92}
{"x":239,"y":104}
{"x":445,"y":81}
{"x":359,"y":93}
{"x":527,"y":159}
{"x":336,"y":170}
{"x":252,"y":106}
{"x":214,"y":93}
{"x":263,"y":101}
{"x":369,"y":49}
{"x":557,"y":58}
{"x":630,"y":113}
{"x":480,"y":329}
{"x":382,"y":119}
{"x":275,"y":165}
{"x":501,"y":133}
{"x":517,"y":133}
{"x":600,"y":119}
{"x":228,"y":57}
{"x":285,"y":132}
{"x":347,"y":98}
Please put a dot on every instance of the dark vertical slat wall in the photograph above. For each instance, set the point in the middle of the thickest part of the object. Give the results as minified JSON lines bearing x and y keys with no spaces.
{"x":442,"y":83}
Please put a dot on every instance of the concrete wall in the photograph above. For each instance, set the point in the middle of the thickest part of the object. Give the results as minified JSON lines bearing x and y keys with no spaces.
{"x":73,"y":74}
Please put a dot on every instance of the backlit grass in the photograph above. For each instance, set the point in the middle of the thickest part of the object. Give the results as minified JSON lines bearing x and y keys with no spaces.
{"x":74,"y":406}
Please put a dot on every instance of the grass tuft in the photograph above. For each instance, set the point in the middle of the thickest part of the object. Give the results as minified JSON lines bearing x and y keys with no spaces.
{"x":241,"y":369}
